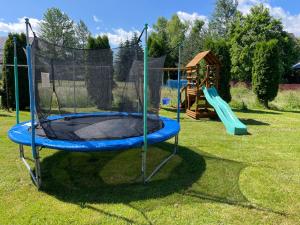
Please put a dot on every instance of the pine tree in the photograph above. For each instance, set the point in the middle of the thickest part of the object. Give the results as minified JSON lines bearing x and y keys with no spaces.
{"x":8,"y":88}
{"x":128,"y":51}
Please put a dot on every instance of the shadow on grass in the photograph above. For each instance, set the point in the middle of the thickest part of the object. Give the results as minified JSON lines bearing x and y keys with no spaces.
{"x":171,"y":109}
{"x":221,"y":184}
{"x":110,"y":177}
{"x":256,"y":111}
{"x":283,"y":110}
{"x":5,"y":115}
{"x":253,"y":122}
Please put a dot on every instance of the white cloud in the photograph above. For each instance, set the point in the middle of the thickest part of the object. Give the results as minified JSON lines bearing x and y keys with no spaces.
{"x":18,"y":27}
{"x":190,"y":18}
{"x":96,"y":19}
{"x":290,"y":22}
{"x":119,"y":35}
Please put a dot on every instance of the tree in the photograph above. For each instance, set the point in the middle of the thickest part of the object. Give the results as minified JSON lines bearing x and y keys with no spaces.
{"x":99,"y":77}
{"x":193,"y":43}
{"x":158,"y":41}
{"x":245,"y":32}
{"x":123,"y":61}
{"x":223,"y":15}
{"x":165,"y":39}
{"x":82,"y":33}
{"x":266,"y":71}
{"x":57,"y":28}
{"x":220,"y":48}
{"x":128,"y":51}
{"x":291,"y":56}
{"x":8,"y":87}
{"x":175,"y":31}
{"x":176,"y":34}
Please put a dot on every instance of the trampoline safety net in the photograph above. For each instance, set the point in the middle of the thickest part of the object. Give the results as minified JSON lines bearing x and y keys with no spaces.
{"x":107,"y":84}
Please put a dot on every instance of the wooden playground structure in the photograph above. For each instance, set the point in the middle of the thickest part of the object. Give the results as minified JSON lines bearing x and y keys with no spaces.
{"x":202,"y":70}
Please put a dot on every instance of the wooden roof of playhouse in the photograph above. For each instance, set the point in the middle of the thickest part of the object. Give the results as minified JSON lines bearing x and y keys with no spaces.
{"x":208,"y":56}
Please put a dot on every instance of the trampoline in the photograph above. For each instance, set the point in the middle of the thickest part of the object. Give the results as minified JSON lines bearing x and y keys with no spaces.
{"x":92,"y":100}
{"x":101,"y":132}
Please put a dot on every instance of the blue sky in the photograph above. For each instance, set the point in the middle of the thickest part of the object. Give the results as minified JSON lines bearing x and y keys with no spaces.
{"x":119,"y":18}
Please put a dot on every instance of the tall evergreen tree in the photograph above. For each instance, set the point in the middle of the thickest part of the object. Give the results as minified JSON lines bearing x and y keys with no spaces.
{"x":8,"y":87}
{"x":266,"y":71}
{"x":128,"y":51}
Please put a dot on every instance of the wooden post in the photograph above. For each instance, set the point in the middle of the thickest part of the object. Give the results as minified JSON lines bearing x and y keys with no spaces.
{"x":207,"y":76}
{"x":217,"y":77}
{"x":197,"y":75}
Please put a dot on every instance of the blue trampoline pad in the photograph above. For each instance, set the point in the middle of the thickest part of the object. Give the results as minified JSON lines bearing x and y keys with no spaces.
{"x":21,"y":133}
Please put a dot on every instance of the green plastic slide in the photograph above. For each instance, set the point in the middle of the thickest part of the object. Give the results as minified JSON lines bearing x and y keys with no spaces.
{"x":232,"y":124}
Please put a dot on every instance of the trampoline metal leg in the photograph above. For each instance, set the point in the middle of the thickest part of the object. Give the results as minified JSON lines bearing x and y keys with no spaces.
{"x":35,"y":175}
{"x":163,"y":162}
{"x":144,"y":156}
{"x":21,"y":149}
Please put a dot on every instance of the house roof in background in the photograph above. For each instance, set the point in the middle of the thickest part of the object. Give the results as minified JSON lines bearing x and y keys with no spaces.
{"x":2,"y":42}
{"x":296,"y":66}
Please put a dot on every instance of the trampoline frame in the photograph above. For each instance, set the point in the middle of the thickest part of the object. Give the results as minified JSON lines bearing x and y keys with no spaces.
{"x":36,"y":173}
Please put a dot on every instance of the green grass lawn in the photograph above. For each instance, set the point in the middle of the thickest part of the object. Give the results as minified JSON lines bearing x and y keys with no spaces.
{"x":215,"y":179}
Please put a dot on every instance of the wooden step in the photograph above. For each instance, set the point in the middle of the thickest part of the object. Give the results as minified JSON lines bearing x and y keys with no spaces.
{"x":191,"y":71}
{"x":201,"y":114}
{"x":192,"y":77}
{"x":191,"y":113}
{"x":192,"y":91}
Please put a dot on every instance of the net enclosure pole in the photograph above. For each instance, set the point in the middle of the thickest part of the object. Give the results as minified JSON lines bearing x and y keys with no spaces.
{"x":178,"y":94}
{"x":16,"y":80}
{"x":145,"y":110}
{"x":31,"y":89}
{"x":36,"y":176}
{"x":178,"y":83}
